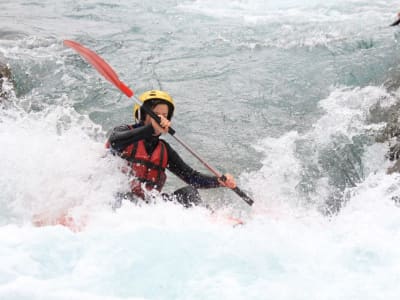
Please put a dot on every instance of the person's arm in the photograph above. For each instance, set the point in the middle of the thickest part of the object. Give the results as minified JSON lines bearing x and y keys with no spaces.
{"x":178,"y":167}
{"x":124,"y":135}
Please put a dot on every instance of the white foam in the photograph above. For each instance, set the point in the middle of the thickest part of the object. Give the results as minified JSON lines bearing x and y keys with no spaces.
{"x":345,"y":114}
{"x":346,"y":111}
{"x":296,"y":24}
{"x":49,"y":163}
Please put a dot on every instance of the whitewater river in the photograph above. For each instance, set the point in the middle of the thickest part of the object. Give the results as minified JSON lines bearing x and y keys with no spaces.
{"x":278,"y":93}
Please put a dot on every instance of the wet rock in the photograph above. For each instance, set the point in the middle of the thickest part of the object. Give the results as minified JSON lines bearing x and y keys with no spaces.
{"x":5,"y":76}
{"x":394,"y":168}
{"x":392,"y":81}
{"x":390,"y":116}
{"x":390,"y":133}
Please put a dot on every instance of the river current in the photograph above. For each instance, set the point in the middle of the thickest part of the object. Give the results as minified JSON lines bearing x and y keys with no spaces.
{"x":279,"y":93}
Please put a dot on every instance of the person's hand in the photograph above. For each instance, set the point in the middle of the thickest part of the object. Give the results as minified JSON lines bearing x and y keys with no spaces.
{"x":229,"y":181}
{"x":165,"y":123}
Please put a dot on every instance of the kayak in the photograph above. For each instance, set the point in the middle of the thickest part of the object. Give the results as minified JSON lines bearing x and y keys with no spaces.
{"x":77,"y":223}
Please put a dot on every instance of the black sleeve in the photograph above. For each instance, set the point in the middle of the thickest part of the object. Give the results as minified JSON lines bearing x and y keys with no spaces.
{"x":124,"y":135}
{"x":178,"y":167}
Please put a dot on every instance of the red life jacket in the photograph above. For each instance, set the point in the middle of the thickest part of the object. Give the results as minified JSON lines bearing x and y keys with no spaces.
{"x":146,"y":169}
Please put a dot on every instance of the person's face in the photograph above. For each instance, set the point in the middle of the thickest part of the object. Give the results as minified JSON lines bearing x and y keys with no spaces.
{"x":159,"y":109}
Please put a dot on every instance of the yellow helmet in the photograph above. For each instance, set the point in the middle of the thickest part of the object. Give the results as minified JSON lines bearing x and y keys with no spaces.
{"x":151,"y":98}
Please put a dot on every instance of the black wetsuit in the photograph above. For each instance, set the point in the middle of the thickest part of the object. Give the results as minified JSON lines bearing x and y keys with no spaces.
{"x":125,"y":135}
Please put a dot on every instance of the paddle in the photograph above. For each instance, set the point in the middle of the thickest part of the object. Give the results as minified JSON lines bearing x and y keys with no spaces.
{"x":397,"y":21}
{"x":105,"y":70}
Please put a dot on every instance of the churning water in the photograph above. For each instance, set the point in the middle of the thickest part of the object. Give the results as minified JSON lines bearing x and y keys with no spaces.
{"x":278,"y":93}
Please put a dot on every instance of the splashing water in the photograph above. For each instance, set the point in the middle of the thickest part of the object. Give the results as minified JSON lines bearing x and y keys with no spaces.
{"x":279,"y":93}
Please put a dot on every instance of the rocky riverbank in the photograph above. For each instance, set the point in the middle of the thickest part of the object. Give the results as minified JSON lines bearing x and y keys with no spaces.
{"x":391,"y":132}
{"x":5,"y":78}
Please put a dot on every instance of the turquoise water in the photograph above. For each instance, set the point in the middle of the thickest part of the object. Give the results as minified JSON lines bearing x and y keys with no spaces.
{"x":277,"y":93}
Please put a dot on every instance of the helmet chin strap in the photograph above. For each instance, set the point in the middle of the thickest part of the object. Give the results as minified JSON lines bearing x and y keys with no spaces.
{"x":137,"y":120}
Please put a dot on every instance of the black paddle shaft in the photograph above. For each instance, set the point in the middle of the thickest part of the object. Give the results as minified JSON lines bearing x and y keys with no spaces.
{"x":171,"y":131}
{"x":150,"y":112}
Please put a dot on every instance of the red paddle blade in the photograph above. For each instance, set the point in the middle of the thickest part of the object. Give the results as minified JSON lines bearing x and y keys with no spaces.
{"x":101,"y":65}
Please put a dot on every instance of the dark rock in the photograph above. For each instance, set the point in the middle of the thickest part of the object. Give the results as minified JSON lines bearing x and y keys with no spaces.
{"x":5,"y":75}
{"x":391,"y":132}
{"x":394,"y":168}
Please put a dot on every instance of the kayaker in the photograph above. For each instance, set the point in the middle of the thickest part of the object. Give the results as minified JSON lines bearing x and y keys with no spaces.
{"x":148,"y":155}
